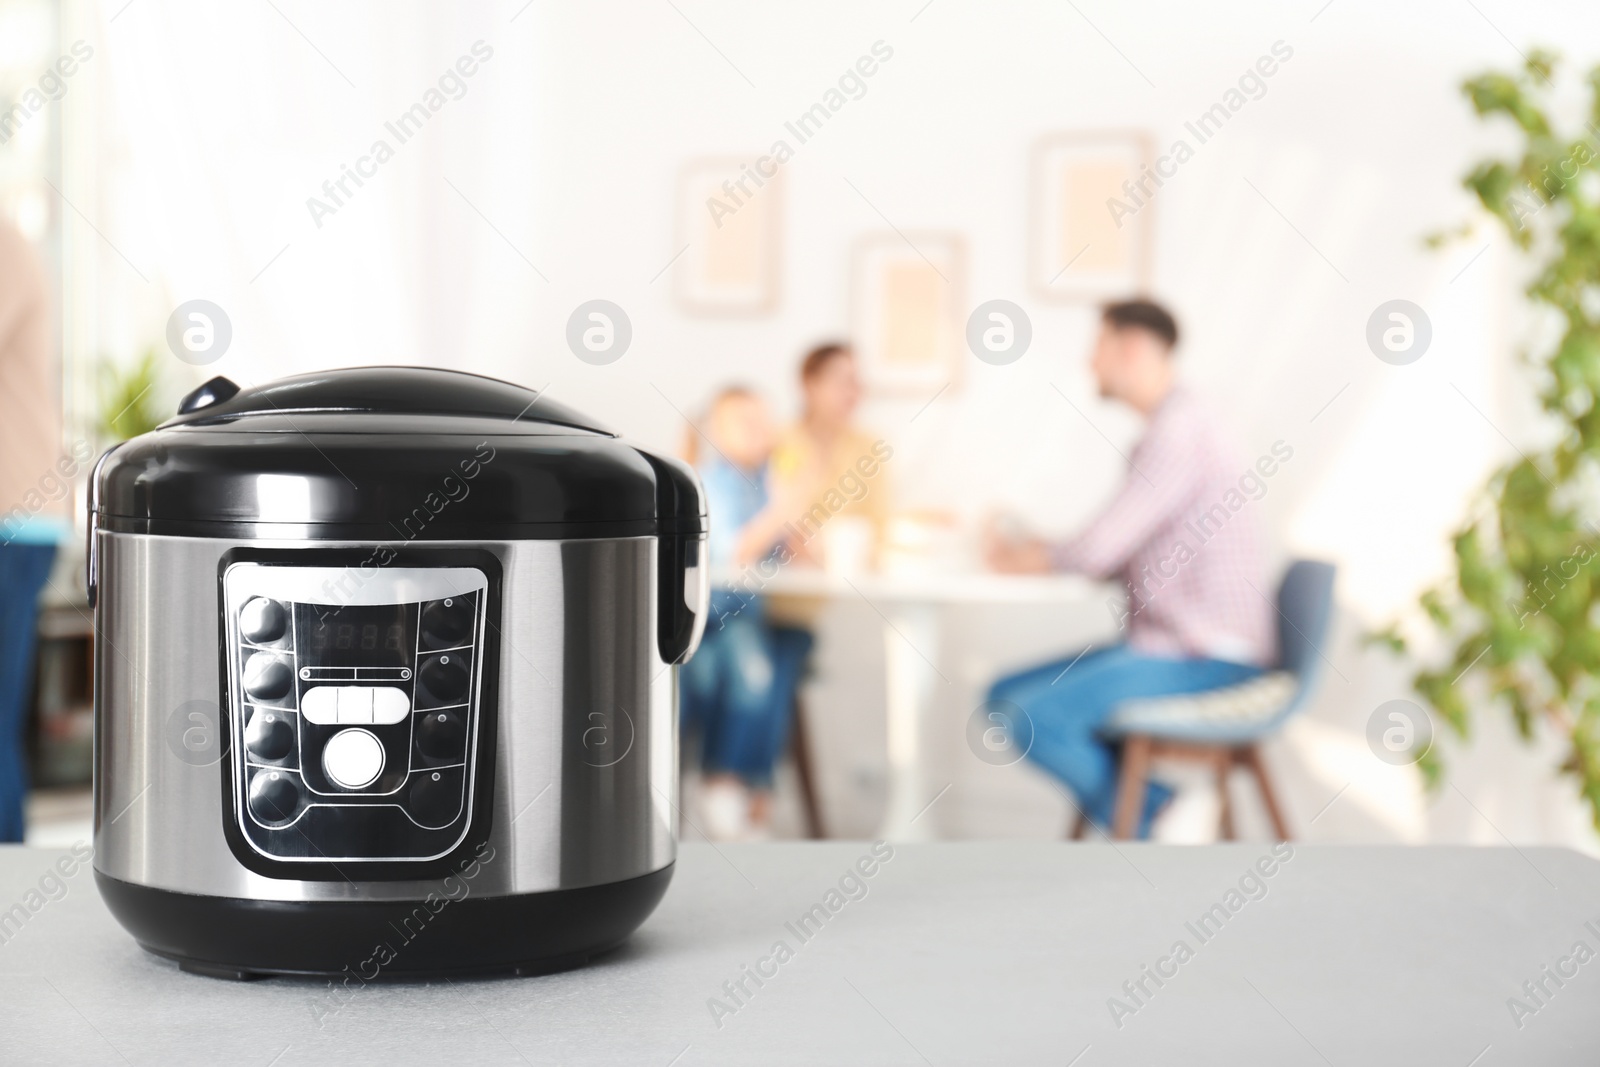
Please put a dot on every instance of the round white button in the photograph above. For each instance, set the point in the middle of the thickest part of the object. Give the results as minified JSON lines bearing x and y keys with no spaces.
{"x":353,"y":758}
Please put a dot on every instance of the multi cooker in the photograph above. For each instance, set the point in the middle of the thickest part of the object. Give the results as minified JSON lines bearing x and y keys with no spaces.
{"x":384,"y":681}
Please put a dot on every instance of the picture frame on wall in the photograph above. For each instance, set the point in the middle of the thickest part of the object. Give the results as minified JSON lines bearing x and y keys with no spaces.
{"x":730,"y":230}
{"x":907,"y":293}
{"x":1090,"y":225}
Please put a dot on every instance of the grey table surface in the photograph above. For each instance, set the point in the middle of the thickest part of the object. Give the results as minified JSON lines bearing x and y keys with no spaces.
{"x":951,"y":953}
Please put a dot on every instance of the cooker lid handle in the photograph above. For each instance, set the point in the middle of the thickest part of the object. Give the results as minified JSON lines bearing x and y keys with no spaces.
{"x":215,"y":391}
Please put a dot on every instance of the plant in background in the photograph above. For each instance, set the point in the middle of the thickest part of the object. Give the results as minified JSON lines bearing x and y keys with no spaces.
{"x":1521,"y":615}
{"x":128,"y":400}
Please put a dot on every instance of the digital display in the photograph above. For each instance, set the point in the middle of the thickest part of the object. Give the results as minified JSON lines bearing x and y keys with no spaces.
{"x":366,"y":636}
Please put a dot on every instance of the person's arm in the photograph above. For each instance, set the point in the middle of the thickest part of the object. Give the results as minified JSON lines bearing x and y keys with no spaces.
{"x":1014,"y":555}
{"x":1157,"y":485}
{"x":787,"y":500}
{"x":759,"y":536}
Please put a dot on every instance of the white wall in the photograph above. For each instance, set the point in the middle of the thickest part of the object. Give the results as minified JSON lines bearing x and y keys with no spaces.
{"x":1275,"y":243}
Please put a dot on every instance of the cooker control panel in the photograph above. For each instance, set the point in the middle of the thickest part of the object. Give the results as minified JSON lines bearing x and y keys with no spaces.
{"x":355,"y":708}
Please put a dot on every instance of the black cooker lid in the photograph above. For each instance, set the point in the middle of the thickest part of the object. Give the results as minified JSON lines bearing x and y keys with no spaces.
{"x":388,"y":453}
{"x":380,"y":391}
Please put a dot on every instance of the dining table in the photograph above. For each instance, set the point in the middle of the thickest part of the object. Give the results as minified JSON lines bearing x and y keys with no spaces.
{"x":914,"y":605}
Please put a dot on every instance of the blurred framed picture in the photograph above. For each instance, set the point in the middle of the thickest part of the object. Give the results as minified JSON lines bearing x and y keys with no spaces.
{"x":1090,"y":221}
{"x":730,"y":217}
{"x":906,"y":315}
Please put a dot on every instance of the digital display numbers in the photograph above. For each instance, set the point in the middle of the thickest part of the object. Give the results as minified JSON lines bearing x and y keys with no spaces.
{"x":377,"y":635}
{"x":344,"y":636}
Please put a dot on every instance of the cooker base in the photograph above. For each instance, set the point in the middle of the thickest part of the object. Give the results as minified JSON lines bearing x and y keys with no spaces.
{"x":366,"y":941}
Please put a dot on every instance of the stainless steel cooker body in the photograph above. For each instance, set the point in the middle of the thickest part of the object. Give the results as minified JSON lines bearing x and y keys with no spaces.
{"x":584,"y":766}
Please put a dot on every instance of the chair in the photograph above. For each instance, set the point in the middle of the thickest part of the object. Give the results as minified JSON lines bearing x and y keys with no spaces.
{"x":1225,"y":727}
{"x":805,"y":771}
{"x":798,"y":640}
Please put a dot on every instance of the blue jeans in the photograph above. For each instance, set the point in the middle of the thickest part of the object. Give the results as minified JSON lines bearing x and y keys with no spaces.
{"x":23,"y":570}
{"x":738,"y":690}
{"x":1067,"y":709}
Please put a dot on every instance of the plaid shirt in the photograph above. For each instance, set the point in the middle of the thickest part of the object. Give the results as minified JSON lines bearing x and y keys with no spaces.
{"x":1183,"y":537}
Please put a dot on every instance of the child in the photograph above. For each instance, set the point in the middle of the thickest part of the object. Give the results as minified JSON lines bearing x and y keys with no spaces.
{"x":738,"y":690}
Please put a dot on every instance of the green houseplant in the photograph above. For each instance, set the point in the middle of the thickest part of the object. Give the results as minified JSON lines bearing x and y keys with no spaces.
{"x":1520,"y":617}
{"x":129,"y":404}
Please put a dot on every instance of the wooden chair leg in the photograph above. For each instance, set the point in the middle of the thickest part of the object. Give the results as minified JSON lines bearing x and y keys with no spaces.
{"x":1131,"y":786}
{"x":1251,"y":757}
{"x":1077,"y":826}
{"x":1224,"y":764}
{"x":805,"y":771}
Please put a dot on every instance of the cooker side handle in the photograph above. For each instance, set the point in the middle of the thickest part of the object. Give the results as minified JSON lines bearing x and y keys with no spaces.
{"x":683,"y":580}
{"x":91,"y":559}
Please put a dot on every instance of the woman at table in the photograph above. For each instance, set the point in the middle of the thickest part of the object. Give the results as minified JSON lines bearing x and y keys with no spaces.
{"x":738,"y":690}
{"x":821,"y":461}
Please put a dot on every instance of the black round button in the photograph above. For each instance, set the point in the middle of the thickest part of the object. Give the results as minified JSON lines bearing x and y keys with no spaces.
{"x":263,"y":621}
{"x":267,"y":676}
{"x":274,"y":797}
{"x":270,"y":735}
{"x":446,"y":623}
{"x":445,"y":677}
{"x":435,"y":799}
{"x":441,"y":735}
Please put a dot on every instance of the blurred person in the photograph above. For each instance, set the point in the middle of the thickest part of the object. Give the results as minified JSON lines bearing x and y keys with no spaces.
{"x":1195,"y":619}
{"x":834,"y":474}
{"x":738,"y":689}
{"x":825,"y":453}
{"x":827,"y":481}
{"x":32,"y":511}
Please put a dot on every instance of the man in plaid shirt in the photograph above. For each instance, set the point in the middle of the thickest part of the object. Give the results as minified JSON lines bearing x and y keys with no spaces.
{"x":1182,"y":538}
